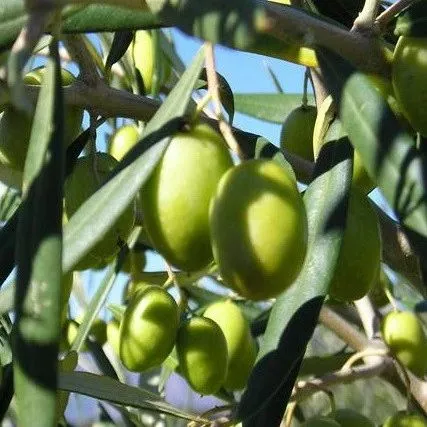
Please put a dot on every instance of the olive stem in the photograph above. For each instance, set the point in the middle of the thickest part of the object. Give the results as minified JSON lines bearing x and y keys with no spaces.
{"x":361,"y":355}
{"x":304,"y":93}
{"x":385,"y":17}
{"x":367,"y":316}
{"x":406,"y":380}
{"x":213,"y":87}
{"x":304,"y":389}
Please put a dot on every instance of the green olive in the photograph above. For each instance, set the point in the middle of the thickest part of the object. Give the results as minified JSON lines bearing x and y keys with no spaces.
{"x":79,"y":186}
{"x":409,"y":70}
{"x":403,"y":419}
{"x":297,"y":132}
{"x":144,"y":54}
{"x":15,"y":126}
{"x":403,"y":333}
{"x":122,"y":140}
{"x":258,"y":229}
{"x":113,"y":335}
{"x":148,"y":329}
{"x":202,"y":354}
{"x":359,"y":259}
{"x":241,"y":347}
{"x":175,"y":200}
{"x":347,"y":417}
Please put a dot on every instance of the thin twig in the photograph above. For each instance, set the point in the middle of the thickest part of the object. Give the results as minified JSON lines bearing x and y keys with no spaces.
{"x":385,"y":17}
{"x":304,"y":389}
{"x":213,"y":86}
{"x":76,"y":46}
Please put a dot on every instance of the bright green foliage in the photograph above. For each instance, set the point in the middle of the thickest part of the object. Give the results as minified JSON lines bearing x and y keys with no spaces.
{"x":258,"y":229}
{"x":175,"y":200}
{"x":202,"y":354}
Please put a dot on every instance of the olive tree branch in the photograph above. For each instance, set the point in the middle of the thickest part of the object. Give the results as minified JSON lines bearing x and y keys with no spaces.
{"x":78,"y":50}
{"x":293,"y":25}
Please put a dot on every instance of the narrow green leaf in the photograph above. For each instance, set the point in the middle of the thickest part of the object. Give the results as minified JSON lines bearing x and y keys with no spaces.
{"x":119,"y":46}
{"x":413,"y":21}
{"x":38,"y":257}
{"x":295,"y":313}
{"x":271,"y":107}
{"x":105,"y":388}
{"x":12,"y":19}
{"x":85,"y":229}
{"x":388,"y":152}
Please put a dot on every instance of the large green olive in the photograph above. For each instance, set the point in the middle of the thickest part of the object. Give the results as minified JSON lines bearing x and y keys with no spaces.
{"x":409,"y":71}
{"x":347,"y":417}
{"x":202,"y":354}
{"x":241,"y":346}
{"x":403,"y":333}
{"x":258,"y":229}
{"x":148,"y":329}
{"x":359,"y":259}
{"x":79,"y":186}
{"x":15,"y":126}
{"x":403,"y":419}
{"x":175,"y":200}
{"x":297,"y":132}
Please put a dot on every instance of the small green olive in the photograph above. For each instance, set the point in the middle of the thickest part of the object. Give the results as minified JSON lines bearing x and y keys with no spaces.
{"x":241,"y":347}
{"x":403,"y":419}
{"x":148,"y":329}
{"x":123,"y":140}
{"x":79,"y":186}
{"x":15,"y":126}
{"x":403,"y":333}
{"x":113,"y":335}
{"x":202,"y":354}
{"x":297,"y":132}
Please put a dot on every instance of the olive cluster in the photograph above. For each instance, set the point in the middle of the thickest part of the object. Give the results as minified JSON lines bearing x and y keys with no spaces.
{"x":213,"y":351}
